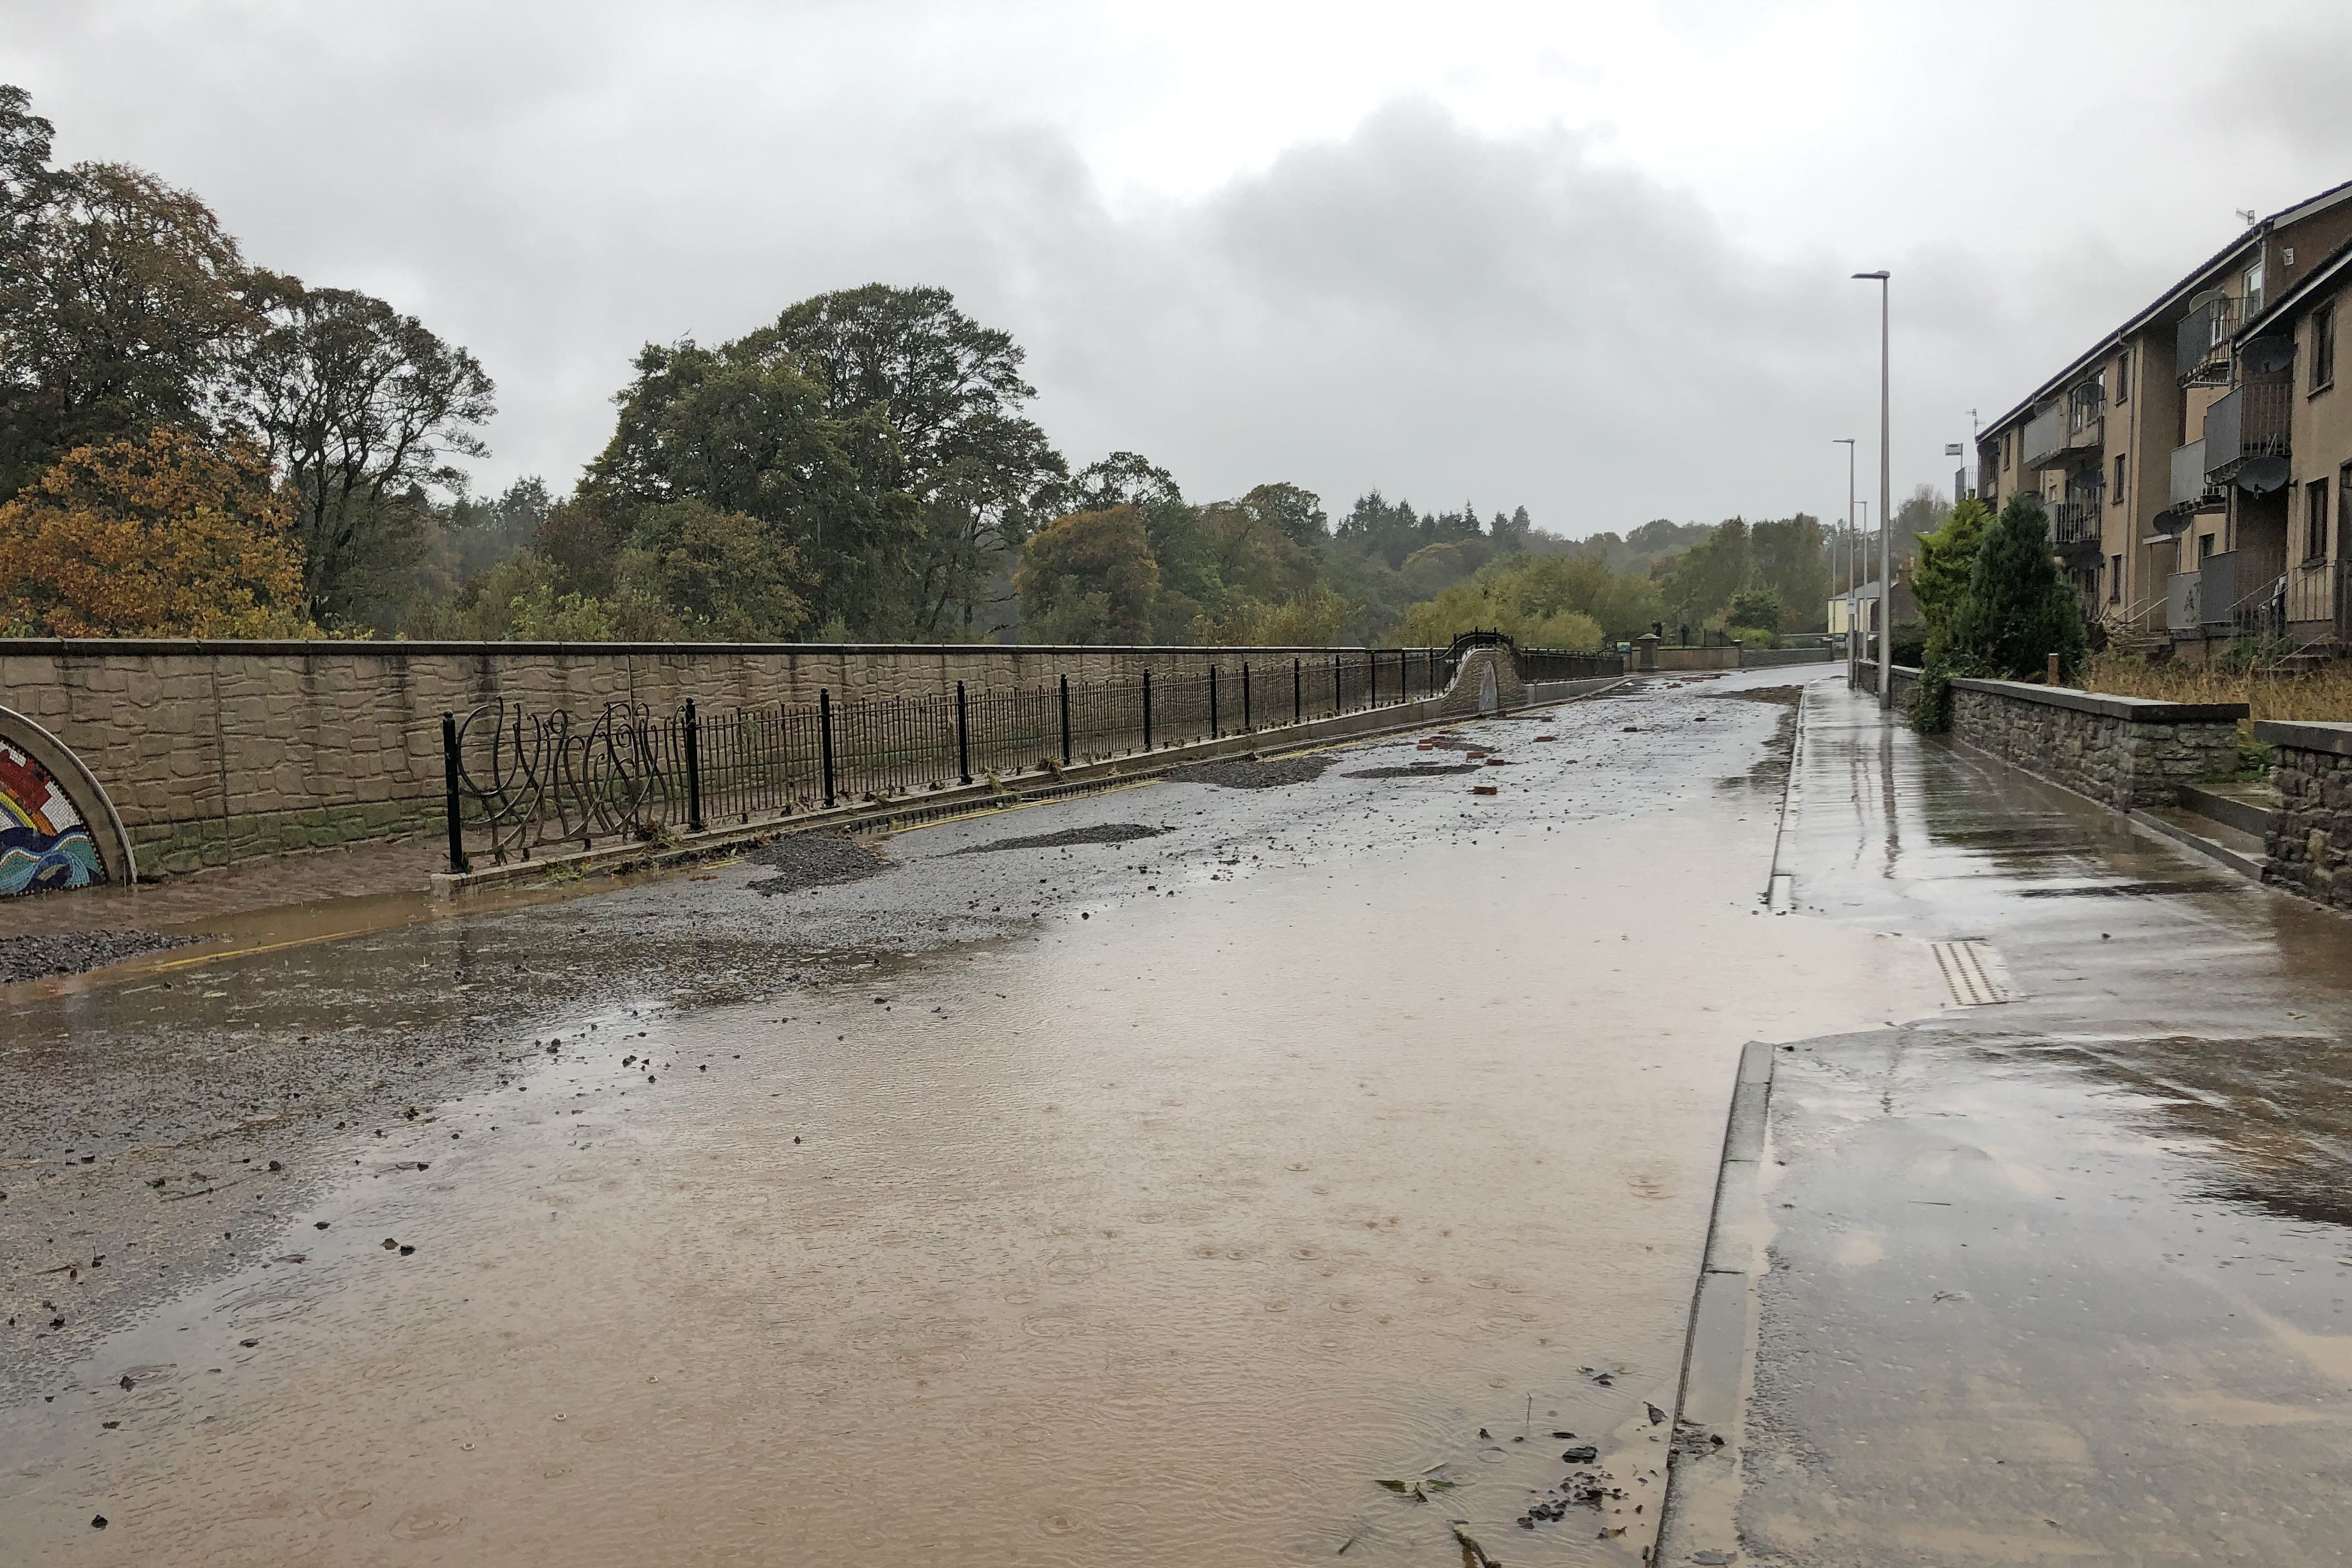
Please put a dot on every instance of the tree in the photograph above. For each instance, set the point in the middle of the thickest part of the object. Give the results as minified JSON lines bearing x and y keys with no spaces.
{"x":2019,"y":608}
{"x":1948,"y":559}
{"x":1297,"y":513}
{"x":360,"y":407}
{"x":950,"y":393}
{"x":159,"y":537}
{"x":743,"y":431}
{"x":1789,"y":558}
{"x":1921,"y":512}
{"x":120,"y":303}
{"x":719,"y":573}
{"x":1759,"y":607}
{"x":1710,"y":573}
{"x":1090,"y":577}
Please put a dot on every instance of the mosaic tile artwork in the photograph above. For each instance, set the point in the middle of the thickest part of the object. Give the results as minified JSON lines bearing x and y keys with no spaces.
{"x":44,"y":844}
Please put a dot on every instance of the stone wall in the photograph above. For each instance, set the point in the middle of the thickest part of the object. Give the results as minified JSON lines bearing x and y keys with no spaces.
{"x":212,"y":751}
{"x":2309,"y":850}
{"x":2123,"y":751}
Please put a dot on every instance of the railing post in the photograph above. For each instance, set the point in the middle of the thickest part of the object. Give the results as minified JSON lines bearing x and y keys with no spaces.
{"x":1373,"y":674}
{"x":1335,"y":686}
{"x":1213,"y":701}
{"x":1147,"y":710}
{"x":1065,"y":720}
{"x":825,"y":736}
{"x":1298,"y":686}
{"x":693,"y":770}
{"x":963,"y":738}
{"x":457,"y":866}
{"x":1245,"y":698}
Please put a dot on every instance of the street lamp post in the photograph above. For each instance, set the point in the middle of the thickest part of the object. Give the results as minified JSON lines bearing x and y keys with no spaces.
{"x":1885,"y":505}
{"x":1847,"y":442}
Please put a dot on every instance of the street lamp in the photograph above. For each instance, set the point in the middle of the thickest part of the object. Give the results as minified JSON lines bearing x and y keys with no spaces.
{"x":1847,"y":442}
{"x":1885,"y":506}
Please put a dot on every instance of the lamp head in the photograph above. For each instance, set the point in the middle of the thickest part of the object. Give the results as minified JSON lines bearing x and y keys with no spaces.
{"x":1879,"y":276}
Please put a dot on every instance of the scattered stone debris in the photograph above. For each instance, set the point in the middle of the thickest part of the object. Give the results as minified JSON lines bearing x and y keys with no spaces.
{"x":1103,"y":833}
{"x":77,"y":952}
{"x":814,"y":860}
{"x":1251,"y":772}
{"x":1413,"y":771}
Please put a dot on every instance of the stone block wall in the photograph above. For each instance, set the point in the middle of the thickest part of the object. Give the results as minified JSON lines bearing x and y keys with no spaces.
{"x":2309,"y":850}
{"x":212,"y":751}
{"x":2123,"y":751}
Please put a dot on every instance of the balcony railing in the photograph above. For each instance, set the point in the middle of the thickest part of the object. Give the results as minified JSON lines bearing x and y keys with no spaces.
{"x":2190,"y":490}
{"x":2243,"y":591}
{"x":2251,"y":421}
{"x":2201,"y":352}
{"x":2075,"y":523}
{"x":2313,"y":592}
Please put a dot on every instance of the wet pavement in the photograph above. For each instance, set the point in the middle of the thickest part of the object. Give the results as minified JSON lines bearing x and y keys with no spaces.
{"x":1151,"y":1193}
{"x":2063,"y":1278}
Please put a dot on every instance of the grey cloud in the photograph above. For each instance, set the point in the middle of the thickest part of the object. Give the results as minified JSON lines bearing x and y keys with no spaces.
{"x":1413,"y":305}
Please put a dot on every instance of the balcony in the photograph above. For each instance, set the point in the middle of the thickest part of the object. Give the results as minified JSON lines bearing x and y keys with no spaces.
{"x":2045,"y":438}
{"x":2242,"y":592}
{"x":2201,"y":352}
{"x":2076,"y":522}
{"x":2190,"y":490}
{"x":2251,"y":422}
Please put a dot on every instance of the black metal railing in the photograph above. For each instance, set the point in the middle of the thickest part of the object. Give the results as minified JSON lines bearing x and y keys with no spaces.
{"x":522,"y":782}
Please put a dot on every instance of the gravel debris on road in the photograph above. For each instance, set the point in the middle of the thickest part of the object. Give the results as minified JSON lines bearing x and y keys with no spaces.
{"x":1101,"y":832}
{"x":814,"y":860}
{"x":76,"y":952}
{"x":1274,"y":772}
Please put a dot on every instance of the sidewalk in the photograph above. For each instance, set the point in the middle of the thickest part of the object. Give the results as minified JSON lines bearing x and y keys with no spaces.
{"x":2063,"y":1278}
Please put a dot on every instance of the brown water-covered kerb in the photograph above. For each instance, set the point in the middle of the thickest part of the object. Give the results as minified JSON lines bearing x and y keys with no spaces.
{"x":219,"y":751}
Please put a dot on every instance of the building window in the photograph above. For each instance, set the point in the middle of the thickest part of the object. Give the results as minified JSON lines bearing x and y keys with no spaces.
{"x":2314,"y":520}
{"x":2004,"y":449}
{"x":2323,"y":346}
{"x":2254,"y":292}
{"x":2114,"y":579}
{"x":2117,"y":499}
{"x":2122,"y":377}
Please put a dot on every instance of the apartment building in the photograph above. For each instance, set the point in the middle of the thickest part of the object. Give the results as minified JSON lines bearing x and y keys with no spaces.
{"x":2165,"y":453}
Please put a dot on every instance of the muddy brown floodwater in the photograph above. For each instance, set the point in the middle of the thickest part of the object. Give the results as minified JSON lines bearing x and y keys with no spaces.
{"x":1162,"y":1233}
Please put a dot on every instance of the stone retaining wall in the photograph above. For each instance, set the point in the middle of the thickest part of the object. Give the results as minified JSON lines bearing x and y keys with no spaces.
{"x":214,"y":752}
{"x":2309,"y":850}
{"x":2123,"y":751}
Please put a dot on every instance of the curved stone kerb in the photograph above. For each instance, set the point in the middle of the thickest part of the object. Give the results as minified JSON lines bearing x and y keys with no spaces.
{"x":82,"y":791}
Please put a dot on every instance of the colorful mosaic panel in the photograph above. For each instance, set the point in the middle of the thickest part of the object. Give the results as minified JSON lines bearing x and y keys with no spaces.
{"x":44,"y":843}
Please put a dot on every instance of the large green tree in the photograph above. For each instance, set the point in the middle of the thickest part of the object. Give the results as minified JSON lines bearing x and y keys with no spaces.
{"x":2019,"y":608}
{"x":362,"y":408}
{"x":950,"y":392}
{"x":745,"y":429}
{"x":1947,"y":561}
{"x":1090,"y":577}
{"x":120,"y":306}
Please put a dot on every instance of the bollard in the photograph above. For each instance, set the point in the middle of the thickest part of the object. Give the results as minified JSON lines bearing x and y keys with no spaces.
{"x":825,"y":736}
{"x":1147,"y":710}
{"x":963,"y":738}
{"x":457,"y":866}
{"x":1246,"y":703}
{"x":1213,"y":702}
{"x":2052,"y":678}
{"x":693,"y":770}
{"x":1065,"y":720}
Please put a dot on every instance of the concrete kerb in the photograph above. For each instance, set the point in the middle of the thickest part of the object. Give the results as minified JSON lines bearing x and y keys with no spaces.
{"x":1699,"y":1510}
{"x":981,"y":798}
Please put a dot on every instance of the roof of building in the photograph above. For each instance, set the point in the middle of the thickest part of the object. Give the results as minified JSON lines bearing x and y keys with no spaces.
{"x":2190,"y":284}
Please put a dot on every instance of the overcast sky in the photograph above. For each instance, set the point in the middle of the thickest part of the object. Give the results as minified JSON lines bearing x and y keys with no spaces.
{"x":1591,"y":259}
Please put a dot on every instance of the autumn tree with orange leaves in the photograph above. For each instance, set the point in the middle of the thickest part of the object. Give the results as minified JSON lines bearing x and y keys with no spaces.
{"x":160,"y":537}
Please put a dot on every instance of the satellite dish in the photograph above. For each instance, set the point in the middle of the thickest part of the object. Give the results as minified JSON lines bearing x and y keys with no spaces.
{"x":2260,"y":475}
{"x":2268,"y":356}
{"x":2166,"y":525}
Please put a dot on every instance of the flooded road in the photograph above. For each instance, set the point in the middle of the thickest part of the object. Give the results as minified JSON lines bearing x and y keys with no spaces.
{"x":1149,"y":1199}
